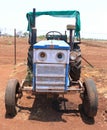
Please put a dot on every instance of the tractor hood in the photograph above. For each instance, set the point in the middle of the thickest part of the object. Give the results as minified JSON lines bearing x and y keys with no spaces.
{"x":64,"y":14}
{"x":52,"y":44}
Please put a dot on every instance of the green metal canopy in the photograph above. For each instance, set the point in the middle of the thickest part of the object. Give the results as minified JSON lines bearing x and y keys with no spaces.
{"x":64,"y":14}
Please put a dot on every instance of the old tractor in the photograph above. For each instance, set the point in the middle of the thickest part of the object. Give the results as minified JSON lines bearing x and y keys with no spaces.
{"x":54,"y":66}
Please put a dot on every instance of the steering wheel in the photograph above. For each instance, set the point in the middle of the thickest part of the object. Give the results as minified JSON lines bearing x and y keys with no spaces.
{"x":53,"y":35}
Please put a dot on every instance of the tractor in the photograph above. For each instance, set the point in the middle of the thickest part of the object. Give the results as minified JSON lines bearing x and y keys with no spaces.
{"x":54,"y":66}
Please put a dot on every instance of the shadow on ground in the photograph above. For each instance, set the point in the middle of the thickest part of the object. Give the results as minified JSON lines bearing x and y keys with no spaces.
{"x":46,"y":110}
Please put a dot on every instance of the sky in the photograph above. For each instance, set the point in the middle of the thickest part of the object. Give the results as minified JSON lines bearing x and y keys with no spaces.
{"x":93,"y":14}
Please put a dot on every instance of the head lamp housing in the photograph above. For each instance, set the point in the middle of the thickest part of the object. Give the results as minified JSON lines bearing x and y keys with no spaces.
{"x":73,"y":55}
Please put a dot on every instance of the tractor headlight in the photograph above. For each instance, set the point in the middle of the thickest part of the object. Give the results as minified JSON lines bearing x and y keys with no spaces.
{"x":42,"y":56}
{"x":73,"y":56}
{"x":60,"y":56}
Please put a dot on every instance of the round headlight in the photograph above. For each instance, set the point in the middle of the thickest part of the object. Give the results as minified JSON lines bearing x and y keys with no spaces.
{"x":73,"y":55}
{"x":60,"y":56}
{"x":42,"y":56}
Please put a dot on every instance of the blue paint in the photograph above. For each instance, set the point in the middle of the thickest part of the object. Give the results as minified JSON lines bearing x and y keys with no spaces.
{"x":34,"y":77}
{"x":66,"y":77}
{"x":52,"y":44}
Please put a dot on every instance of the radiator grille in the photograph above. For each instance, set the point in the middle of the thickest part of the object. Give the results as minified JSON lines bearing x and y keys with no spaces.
{"x":50,"y":77}
{"x":50,"y":69}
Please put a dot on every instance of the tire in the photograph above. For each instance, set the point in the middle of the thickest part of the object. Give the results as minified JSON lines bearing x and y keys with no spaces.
{"x":11,"y":96}
{"x":90,"y":98}
{"x":30,"y":58}
{"x":75,"y":68}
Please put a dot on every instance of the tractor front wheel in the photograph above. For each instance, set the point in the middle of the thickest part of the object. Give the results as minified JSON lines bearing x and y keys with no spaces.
{"x":90,"y":98}
{"x":11,"y":96}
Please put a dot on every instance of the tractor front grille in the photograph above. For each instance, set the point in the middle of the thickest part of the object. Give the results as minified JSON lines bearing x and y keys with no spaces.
{"x":50,"y":77}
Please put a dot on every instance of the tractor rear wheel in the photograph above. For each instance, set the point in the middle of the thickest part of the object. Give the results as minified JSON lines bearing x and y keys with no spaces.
{"x":30,"y":58}
{"x":90,"y":98}
{"x":75,"y":67}
{"x":11,"y":96}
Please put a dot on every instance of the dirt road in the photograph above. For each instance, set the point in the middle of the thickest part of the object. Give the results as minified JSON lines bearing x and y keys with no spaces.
{"x":41,"y":114}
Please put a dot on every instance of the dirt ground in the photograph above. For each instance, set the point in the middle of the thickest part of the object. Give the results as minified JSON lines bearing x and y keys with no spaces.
{"x":33,"y":114}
